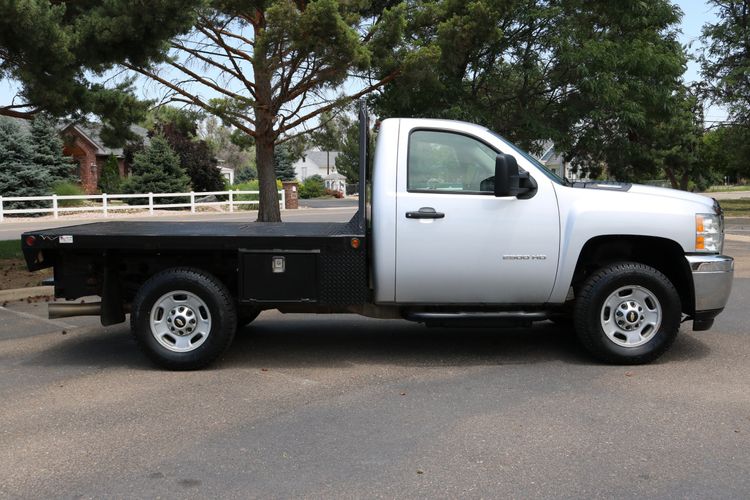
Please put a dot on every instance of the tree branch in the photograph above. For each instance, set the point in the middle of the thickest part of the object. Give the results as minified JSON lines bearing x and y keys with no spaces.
{"x":190,"y":98}
{"x":336,"y":102}
{"x":205,"y":81}
{"x":12,"y":113}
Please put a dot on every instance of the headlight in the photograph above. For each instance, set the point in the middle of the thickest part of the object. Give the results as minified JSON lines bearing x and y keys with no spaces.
{"x":709,"y":233}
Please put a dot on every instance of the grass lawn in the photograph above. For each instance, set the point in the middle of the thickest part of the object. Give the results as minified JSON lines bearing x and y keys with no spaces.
{"x":13,"y":272}
{"x":11,"y":249}
{"x":736,"y":208}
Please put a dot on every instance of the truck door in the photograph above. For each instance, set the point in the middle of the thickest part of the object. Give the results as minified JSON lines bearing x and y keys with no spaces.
{"x":457,"y":242}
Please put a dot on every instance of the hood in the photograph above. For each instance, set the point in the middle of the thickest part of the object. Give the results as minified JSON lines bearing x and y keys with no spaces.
{"x":671,"y":193}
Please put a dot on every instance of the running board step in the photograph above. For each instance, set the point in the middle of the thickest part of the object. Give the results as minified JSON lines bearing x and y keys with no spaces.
{"x":477,"y":319}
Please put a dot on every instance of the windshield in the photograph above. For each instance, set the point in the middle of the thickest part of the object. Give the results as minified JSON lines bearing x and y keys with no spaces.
{"x":553,"y":176}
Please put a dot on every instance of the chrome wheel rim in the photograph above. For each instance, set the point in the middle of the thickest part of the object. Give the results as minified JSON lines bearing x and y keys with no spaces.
{"x":180,"y":321}
{"x":631,"y":316}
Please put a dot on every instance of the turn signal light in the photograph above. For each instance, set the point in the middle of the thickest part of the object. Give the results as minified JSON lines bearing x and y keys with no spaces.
{"x":355,"y":243}
{"x":709,"y":233}
{"x":30,"y":240}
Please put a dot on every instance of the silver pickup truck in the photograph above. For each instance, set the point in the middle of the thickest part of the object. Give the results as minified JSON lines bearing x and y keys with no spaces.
{"x":456,"y":227}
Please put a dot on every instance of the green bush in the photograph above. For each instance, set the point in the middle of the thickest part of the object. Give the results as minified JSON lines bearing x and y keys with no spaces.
{"x":110,"y":180}
{"x":313,"y":187}
{"x":68,"y":189}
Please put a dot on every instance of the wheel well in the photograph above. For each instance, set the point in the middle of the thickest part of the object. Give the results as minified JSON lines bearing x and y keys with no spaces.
{"x":660,"y":253}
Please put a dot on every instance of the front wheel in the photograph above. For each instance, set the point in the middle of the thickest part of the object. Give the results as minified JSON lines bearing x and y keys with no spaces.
{"x":627,"y":313}
{"x":183,"y":318}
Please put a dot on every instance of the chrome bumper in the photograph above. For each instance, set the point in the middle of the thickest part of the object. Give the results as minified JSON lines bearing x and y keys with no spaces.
{"x":712,"y":280}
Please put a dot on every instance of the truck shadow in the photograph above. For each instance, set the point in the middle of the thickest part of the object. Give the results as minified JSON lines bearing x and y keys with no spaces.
{"x":341,"y":341}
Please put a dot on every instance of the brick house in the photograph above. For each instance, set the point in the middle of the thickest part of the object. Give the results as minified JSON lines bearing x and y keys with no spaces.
{"x":83,"y":143}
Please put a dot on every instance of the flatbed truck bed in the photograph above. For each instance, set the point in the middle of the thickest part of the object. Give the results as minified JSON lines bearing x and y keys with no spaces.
{"x":311,"y":266}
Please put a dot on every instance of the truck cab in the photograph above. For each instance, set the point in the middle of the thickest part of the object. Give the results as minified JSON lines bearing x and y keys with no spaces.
{"x":467,"y":226}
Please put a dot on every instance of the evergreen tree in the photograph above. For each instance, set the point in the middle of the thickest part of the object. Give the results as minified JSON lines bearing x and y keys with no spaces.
{"x":156,"y":169}
{"x":53,"y":49}
{"x":48,"y":151}
{"x":19,"y":176}
{"x":245,"y":174}
{"x":283,"y":162}
{"x":110,"y":180}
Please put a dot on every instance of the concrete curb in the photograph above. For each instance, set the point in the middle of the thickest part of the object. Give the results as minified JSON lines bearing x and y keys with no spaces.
{"x":25,"y":293}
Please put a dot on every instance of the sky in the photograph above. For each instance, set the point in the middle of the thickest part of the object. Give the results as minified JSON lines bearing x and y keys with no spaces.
{"x":696,"y":14}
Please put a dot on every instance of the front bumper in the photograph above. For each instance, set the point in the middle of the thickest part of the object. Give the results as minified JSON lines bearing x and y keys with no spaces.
{"x":712,"y":282}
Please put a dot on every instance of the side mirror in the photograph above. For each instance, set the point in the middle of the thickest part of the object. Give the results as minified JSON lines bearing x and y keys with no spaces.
{"x":509,"y":181}
{"x":506,"y":175}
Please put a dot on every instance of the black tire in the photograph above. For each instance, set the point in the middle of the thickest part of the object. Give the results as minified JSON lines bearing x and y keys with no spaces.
{"x":193,"y":347}
{"x":610,"y":299}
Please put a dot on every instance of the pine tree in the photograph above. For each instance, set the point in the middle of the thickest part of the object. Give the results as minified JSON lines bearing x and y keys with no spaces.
{"x":19,"y":176}
{"x":283,"y":163}
{"x":110,"y":181}
{"x":244,"y":174}
{"x":157,"y":169}
{"x":48,"y":151}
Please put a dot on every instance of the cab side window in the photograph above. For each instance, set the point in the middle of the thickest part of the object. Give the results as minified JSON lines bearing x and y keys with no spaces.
{"x":449,"y":162}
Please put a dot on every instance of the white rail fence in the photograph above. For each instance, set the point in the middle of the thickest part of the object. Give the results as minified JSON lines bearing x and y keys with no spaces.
{"x":192,"y":201}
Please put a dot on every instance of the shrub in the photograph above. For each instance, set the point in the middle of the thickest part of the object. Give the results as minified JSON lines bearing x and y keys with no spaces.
{"x":334,"y":193}
{"x":313,"y":187}
{"x":68,"y":189}
{"x":110,"y":180}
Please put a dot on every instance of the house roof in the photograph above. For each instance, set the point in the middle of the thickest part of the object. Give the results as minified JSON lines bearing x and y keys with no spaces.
{"x":334,"y":176}
{"x":319,"y":158}
{"x":92,"y":132}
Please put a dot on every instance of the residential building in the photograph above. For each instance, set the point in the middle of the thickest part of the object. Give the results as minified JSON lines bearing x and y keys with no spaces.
{"x":554,"y":161}
{"x":315,"y":162}
{"x":83,"y":143}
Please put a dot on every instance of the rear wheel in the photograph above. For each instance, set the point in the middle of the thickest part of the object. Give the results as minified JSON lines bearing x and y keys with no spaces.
{"x":183,"y":318}
{"x":627,"y":313}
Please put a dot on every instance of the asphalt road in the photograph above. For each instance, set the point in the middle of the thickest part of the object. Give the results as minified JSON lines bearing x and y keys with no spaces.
{"x":342,"y":407}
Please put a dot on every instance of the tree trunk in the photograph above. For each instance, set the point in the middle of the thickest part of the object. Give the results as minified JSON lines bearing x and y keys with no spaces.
{"x":685,"y":181}
{"x":268,"y":210}
{"x":672,"y":178}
